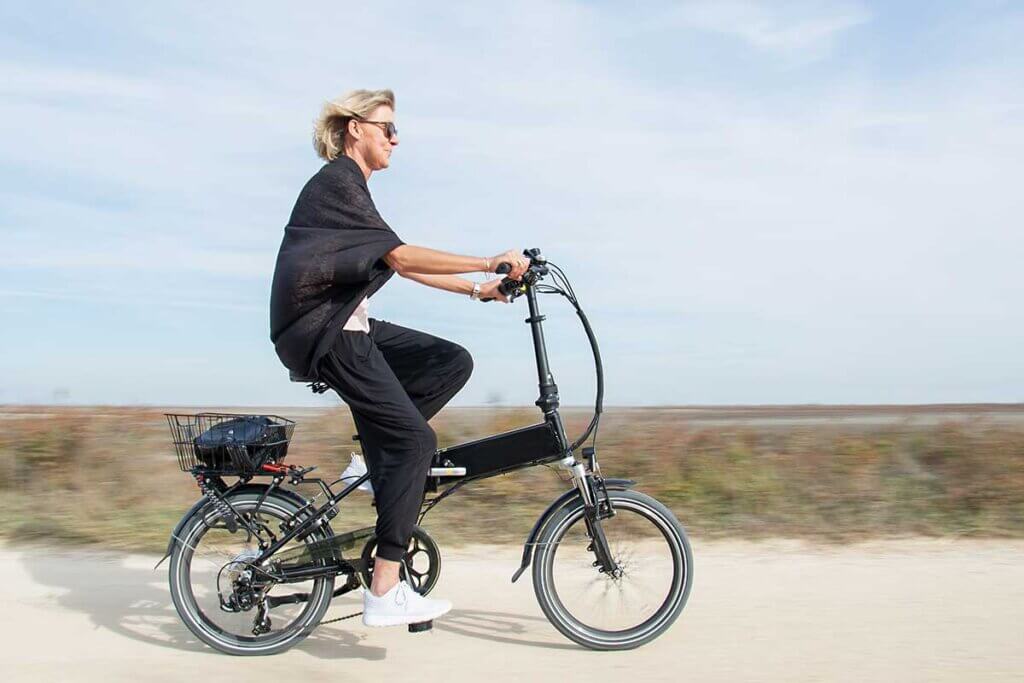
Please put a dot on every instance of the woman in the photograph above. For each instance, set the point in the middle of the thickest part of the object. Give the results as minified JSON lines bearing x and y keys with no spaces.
{"x":337,"y":251}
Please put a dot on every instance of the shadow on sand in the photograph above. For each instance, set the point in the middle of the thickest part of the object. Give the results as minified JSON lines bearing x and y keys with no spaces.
{"x":124,"y":595}
{"x":132,"y":600}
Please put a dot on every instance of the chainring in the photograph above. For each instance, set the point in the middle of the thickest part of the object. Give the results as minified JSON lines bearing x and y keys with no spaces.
{"x":421,"y":566}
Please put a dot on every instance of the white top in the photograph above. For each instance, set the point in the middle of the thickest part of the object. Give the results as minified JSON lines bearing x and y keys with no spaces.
{"x":359,"y":321}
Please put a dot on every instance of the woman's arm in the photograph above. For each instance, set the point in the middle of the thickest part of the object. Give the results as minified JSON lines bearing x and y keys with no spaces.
{"x":408,"y":259}
{"x":449,"y":283}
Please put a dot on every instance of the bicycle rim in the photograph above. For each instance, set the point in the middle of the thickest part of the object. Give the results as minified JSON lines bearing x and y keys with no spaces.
{"x":605,"y":612}
{"x":208,"y":549}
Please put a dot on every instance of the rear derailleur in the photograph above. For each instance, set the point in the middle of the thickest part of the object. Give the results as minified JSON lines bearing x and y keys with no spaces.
{"x":244,"y":596}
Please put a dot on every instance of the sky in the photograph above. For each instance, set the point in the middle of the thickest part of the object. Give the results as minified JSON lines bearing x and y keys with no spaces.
{"x":756,"y":202}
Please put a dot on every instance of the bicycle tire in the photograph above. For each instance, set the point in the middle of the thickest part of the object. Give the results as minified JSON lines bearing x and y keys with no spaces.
{"x":179,"y":572}
{"x":598,"y":639}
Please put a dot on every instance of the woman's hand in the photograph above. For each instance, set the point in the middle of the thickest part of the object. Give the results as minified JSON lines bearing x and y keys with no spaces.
{"x":490,"y":289}
{"x":519,"y":264}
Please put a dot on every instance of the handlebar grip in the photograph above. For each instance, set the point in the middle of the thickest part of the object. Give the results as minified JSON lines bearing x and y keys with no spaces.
{"x":506,"y":287}
{"x":503,"y":267}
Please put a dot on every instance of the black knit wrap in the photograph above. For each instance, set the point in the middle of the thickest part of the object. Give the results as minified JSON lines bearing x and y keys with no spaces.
{"x":330,"y":258}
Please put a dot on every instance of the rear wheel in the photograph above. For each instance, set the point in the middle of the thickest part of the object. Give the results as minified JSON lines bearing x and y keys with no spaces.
{"x":209,"y":563}
{"x":620,"y":612}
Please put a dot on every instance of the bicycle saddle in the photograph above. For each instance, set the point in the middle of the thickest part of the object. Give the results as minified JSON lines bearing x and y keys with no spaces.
{"x":300,"y":377}
{"x":315,"y":385}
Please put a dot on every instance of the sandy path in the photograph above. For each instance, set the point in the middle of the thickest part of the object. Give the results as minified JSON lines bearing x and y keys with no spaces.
{"x":908,"y":611}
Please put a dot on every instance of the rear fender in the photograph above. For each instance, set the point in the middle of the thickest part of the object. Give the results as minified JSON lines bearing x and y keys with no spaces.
{"x":203,"y":502}
{"x":565,"y":499}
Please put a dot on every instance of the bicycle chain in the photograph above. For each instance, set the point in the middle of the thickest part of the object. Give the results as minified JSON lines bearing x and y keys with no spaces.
{"x":347,"y":616}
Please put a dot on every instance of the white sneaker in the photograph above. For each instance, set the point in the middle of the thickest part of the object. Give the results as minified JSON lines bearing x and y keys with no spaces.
{"x":400,"y":605}
{"x":356,"y":469}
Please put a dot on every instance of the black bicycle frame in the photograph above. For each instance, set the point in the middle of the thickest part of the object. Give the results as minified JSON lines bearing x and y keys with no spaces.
{"x":311,"y":521}
{"x":548,"y":402}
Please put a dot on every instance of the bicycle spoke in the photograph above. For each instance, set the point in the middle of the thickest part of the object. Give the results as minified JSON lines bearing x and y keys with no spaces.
{"x":215,"y":561}
{"x":626,"y":599}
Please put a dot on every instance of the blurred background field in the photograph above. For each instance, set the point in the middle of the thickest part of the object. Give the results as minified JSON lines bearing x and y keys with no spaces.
{"x":108,"y":476}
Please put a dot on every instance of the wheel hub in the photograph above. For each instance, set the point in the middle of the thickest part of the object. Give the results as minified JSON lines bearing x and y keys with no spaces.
{"x":239,"y":574}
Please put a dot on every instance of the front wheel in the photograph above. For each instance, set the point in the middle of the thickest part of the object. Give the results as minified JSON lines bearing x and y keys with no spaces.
{"x":605,"y":612}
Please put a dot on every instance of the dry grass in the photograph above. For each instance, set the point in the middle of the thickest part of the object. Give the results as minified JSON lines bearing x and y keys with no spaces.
{"x":108,"y":476}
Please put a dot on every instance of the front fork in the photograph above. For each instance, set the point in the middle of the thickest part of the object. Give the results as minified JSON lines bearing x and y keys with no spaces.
{"x":596,"y":506}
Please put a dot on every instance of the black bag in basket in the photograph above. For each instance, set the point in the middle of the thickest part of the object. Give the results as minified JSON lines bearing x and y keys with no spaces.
{"x":244,"y":436}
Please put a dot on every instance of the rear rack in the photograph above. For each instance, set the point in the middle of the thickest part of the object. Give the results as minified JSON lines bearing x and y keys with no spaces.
{"x":229,"y":443}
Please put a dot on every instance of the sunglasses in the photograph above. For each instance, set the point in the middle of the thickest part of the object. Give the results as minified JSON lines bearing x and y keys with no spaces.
{"x":389,"y":127}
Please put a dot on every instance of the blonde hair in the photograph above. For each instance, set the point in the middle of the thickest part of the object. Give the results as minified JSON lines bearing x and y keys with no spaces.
{"x":330,"y":127}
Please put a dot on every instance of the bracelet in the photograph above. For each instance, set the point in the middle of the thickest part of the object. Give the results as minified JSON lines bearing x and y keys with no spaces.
{"x":475,"y":294}
{"x":487,"y":265}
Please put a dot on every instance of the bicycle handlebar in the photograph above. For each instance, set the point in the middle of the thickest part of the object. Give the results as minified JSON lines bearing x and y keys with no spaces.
{"x":507,"y":286}
{"x":513,"y":288}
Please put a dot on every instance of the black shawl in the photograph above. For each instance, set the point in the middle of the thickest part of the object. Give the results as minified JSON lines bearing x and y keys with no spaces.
{"x":330,"y":259}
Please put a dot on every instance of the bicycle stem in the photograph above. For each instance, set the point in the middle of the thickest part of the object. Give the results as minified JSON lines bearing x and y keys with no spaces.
{"x":548,"y":401}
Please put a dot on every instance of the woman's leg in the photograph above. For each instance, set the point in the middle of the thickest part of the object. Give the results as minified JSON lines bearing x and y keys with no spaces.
{"x":397,"y":441}
{"x":431,"y":369}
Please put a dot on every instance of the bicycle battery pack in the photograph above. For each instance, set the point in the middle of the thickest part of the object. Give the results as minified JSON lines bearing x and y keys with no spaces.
{"x":504,"y":452}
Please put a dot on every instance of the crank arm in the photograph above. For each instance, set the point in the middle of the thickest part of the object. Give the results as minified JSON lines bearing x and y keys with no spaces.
{"x":293,"y":599}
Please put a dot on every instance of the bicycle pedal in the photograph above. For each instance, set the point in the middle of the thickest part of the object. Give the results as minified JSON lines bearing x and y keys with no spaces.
{"x":420,"y":627}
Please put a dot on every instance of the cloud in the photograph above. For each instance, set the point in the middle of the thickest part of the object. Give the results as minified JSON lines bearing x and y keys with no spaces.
{"x":772,"y":26}
{"x":105,"y":298}
{"x":142,"y":257}
{"x":36,"y":82}
{"x":707,"y":200}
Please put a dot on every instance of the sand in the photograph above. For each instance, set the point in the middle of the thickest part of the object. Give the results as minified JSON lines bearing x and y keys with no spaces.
{"x":910,"y":610}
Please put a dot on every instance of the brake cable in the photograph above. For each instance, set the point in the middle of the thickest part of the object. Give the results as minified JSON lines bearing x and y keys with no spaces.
{"x":561,"y":278}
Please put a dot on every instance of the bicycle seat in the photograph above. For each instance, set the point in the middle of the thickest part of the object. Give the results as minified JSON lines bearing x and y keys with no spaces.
{"x":315,"y":385}
{"x":300,"y":377}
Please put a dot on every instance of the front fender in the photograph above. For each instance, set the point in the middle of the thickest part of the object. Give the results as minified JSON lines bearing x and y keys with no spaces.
{"x":559,"y":503}
{"x":201,"y":504}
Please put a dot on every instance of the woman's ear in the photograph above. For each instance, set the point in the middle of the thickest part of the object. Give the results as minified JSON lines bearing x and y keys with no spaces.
{"x":352,"y":129}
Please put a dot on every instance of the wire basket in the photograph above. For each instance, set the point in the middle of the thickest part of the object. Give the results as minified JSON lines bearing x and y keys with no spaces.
{"x":227,"y":443}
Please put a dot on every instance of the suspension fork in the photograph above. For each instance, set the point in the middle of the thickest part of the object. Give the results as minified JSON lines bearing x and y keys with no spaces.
{"x":592,"y":516}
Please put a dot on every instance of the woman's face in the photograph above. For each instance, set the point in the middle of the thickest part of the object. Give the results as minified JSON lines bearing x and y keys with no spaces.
{"x":373,"y":143}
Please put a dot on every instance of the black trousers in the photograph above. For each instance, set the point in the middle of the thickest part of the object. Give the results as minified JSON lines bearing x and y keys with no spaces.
{"x":394,"y":379}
